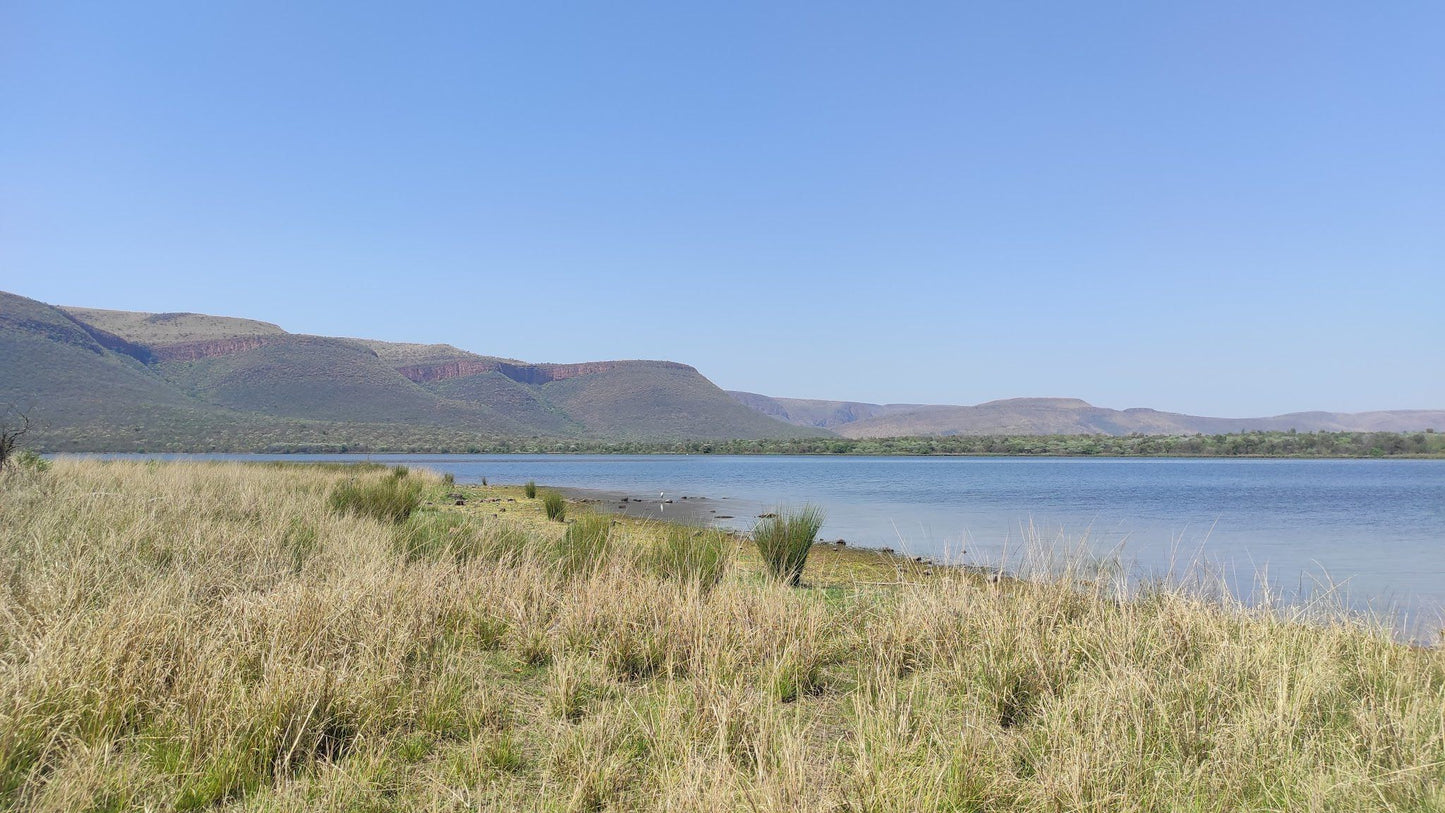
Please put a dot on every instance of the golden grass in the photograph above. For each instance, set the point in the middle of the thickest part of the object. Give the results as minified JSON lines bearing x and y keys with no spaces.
{"x":214,"y":636}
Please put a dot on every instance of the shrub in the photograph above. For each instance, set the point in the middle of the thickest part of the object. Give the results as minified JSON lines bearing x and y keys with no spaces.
{"x":688,"y":554}
{"x":30,"y":459}
{"x":585,"y":545}
{"x":389,"y":500}
{"x":785,"y":539}
{"x":530,"y":489}
{"x":555,"y":505}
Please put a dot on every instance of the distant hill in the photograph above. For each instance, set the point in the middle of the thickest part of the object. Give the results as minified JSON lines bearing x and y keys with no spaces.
{"x":104,"y":380}
{"x":1059,"y":416}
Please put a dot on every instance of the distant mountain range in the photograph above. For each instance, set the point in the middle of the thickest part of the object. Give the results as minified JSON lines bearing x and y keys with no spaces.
{"x":104,"y":380}
{"x":101,"y":380}
{"x":1059,"y":416}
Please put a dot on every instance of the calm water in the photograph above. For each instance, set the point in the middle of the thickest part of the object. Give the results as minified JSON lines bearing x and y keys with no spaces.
{"x":1377,"y":526}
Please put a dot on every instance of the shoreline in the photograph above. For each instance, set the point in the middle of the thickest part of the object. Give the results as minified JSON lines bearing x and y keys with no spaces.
{"x":685,"y":509}
{"x":716,"y":512}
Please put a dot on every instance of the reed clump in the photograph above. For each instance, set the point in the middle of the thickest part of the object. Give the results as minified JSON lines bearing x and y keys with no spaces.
{"x":188,"y":636}
{"x":555,"y":505}
{"x":785,"y":539}
{"x":530,"y":489}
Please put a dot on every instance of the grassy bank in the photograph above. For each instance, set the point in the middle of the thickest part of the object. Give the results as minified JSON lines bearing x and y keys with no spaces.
{"x":228,"y":637}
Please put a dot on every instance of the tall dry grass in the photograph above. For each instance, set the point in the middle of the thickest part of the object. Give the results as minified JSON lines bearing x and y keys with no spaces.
{"x":208,"y":636}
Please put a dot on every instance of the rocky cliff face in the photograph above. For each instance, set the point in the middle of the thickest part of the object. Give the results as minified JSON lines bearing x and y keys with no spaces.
{"x":192,"y":351}
{"x":426,"y":373}
{"x":522,"y":373}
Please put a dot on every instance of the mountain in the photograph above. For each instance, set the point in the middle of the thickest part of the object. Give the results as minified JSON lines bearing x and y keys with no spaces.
{"x":104,"y":380}
{"x":1059,"y":416}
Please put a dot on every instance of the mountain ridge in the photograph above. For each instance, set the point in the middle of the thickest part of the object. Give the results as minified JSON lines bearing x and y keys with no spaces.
{"x":1059,"y":416}
{"x":94,"y":379}
{"x":107,"y":380}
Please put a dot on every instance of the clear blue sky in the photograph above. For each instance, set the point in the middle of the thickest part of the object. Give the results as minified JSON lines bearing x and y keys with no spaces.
{"x":1224,"y":208}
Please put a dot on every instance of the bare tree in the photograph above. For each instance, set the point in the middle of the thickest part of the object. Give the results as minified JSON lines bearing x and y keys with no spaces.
{"x":10,"y":434}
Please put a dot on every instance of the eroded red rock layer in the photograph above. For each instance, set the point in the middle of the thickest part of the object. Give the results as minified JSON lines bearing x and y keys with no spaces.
{"x":191,"y":351}
{"x":523,"y":373}
{"x":422,"y":373}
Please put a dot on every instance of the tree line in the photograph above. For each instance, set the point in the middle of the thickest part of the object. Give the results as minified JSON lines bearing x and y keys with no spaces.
{"x":1246,"y":444}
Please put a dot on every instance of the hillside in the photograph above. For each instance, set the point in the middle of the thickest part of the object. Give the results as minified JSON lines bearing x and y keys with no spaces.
{"x":1059,"y":416}
{"x":105,"y":380}
{"x":170,"y":328}
{"x":646,"y":399}
{"x":64,"y":373}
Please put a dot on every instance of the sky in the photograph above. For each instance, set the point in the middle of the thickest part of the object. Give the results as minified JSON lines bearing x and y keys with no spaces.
{"x":1221,"y":208}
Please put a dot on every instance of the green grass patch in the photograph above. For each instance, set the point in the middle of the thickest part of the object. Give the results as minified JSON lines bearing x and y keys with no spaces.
{"x":684,"y":554}
{"x":584,"y":546}
{"x":389,"y":500}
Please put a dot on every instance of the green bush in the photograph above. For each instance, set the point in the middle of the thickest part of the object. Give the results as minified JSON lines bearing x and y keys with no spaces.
{"x":701,"y":555}
{"x":555,"y":506}
{"x":785,"y":539}
{"x":585,"y":545}
{"x":530,"y":489}
{"x":30,"y":459}
{"x":389,"y":500}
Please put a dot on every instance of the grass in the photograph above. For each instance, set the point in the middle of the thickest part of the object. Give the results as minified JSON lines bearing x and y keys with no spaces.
{"x":530,"y":489}
{"x":688,"y":555}
{"x":188,"y":636}
{"x":555,"y":505}
{"x":585,"y":545}
{"x":390,"y":498}
{"x":785,"y":539}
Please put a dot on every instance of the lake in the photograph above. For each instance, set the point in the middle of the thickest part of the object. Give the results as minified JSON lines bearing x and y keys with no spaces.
{"x":1375,"y":527}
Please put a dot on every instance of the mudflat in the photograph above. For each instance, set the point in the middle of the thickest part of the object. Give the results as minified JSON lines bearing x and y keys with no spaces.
{"x":684,"y":508}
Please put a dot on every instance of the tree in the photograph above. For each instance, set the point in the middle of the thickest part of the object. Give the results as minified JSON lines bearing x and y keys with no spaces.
{"x":10,"y":434}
